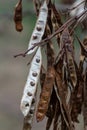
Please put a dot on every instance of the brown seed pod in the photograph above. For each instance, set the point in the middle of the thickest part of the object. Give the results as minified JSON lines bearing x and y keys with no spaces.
{"x":83,"y":46}
{"x":57,"y":15}
{"x":62,"y":95}
{"x":45,"y":94}
{"x":85,"y":100}
{"x":56,"y":21}
{"x":69,"y":51}
{"x":56,"y":116}
{"x":49,"y":80}
{"x":83,"y":71}
{"x":42,"y":78}
{"x":48,"y":83}
{"x":51,"y":109}
{"x":37,"y":5}
{"x":63,"y":124}
{"x":77,"y":97}
{"x":18,"y":16}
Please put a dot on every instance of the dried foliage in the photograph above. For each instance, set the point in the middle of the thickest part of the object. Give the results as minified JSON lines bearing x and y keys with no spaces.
{"x":64,"y":82}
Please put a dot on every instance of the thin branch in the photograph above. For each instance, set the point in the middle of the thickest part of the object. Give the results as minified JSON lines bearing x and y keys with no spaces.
{"x":65,"y":25}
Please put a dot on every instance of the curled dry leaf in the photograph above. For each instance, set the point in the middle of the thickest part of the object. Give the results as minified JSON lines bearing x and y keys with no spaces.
{"x":18,"y":16}
{"x":39,"y":28}
{"x":31,"y":84}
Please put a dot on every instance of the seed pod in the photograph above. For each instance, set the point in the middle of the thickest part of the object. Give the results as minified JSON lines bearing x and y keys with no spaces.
{"x":29,"y":118}
{"x":31,"y":84}
{"x":83,"y":54}
{"x":57,"y":15}
{"x":49,"y":80}
{"x":77,"y":97}
{"x":45,"y":94}
{"x":42,"y":78}
{"x":62,"y":95}
{"x":83,"y":46}
{"x":85,"y":99}
{"x":39,"y":28}
{"x":56,"y":21}
{"x":51,"y":109}
{"x":18,"y":16}
{"x":56,"y":116}
{"x":37,"y":6}
{"x":67,"y":42}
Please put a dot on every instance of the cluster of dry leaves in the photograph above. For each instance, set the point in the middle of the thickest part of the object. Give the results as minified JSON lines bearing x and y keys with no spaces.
{"x":63,"y":83}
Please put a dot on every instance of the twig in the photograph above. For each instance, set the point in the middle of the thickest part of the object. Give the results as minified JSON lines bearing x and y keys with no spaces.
{"x":75,"y":6}
{"x":66,"y":24}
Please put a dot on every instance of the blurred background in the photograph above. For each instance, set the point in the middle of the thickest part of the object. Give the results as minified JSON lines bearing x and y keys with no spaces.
{"x":13,"y":72}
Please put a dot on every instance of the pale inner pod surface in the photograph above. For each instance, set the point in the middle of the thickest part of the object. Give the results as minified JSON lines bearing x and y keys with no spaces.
{"x":39,"y":28}
{"x":31,"y":84}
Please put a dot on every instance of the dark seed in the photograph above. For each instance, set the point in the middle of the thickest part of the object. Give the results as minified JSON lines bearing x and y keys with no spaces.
{"x":29,"y":94}
{"x":31,"y":111}
{"x":33,"y":101}
{"x":26,"y":105}
{"x":39,"y":28}
{"x":34,"y":37}
{"x":32,"y":83}
{"x":44,"y":9}
{"x":37,"y":60}
{"x":34,"y":74}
